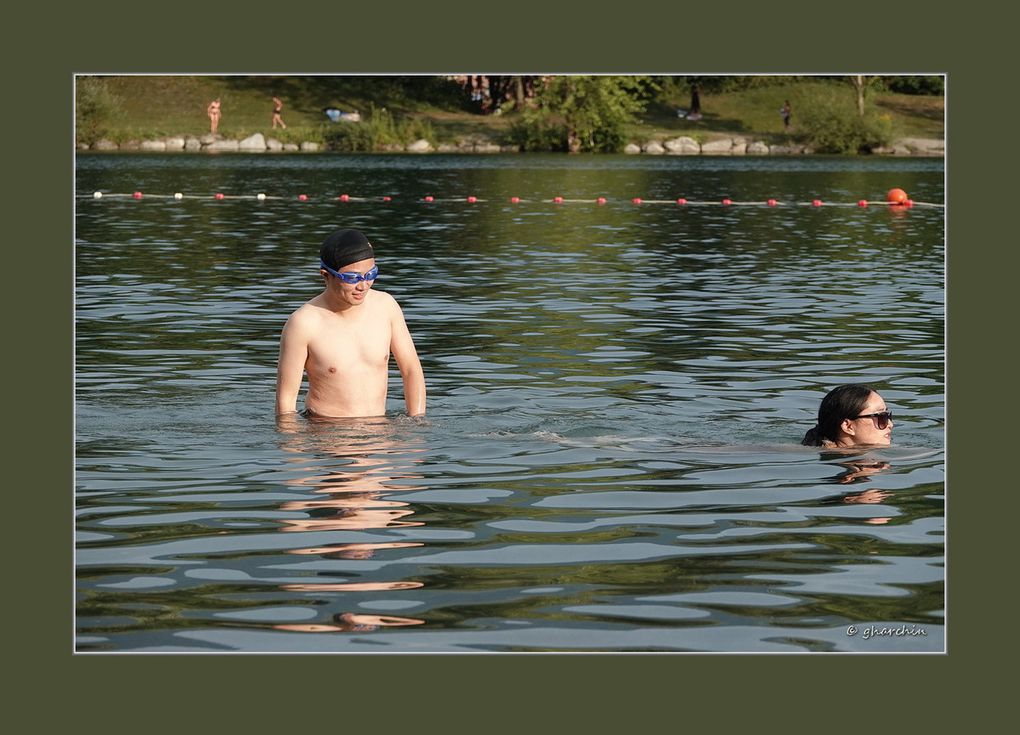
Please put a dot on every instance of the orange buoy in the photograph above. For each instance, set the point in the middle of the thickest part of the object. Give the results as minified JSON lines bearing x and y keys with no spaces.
{"x":896,"y":196}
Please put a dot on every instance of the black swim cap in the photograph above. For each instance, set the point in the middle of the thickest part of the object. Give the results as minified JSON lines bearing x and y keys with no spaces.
{"x":344,"y":247}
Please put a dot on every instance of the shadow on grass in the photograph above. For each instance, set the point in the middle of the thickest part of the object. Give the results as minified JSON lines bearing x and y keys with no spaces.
{"x":401,"y":95}
{"x":665,"y":117}
{"x":933,"y":110}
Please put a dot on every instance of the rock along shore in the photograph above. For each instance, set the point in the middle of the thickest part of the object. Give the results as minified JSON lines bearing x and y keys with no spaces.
{"x":679,"y":146}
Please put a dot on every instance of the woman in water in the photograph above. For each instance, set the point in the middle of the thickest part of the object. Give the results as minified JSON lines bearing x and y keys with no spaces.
{"x":851,"y":416}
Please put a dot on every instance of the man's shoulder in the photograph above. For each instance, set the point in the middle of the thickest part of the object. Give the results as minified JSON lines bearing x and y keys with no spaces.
{"x":383,"y":303}
{"x":308,"y":312}
{"x":383,"y":298}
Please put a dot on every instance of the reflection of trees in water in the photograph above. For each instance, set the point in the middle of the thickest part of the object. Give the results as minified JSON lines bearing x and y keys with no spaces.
{"x":356,"y":499}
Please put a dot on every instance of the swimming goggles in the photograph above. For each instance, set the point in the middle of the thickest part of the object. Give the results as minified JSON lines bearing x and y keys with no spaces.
{"x":352,"y":278}
{"x":881,"y":419}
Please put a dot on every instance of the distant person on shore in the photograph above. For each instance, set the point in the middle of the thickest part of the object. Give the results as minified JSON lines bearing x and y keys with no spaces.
{"x":851,"y":415}
{"x":695,"y":112}
{"x":785,"y":111}
{"x":213,"y":110}
{"x":277,"y":109}
{"x":343,"y":338}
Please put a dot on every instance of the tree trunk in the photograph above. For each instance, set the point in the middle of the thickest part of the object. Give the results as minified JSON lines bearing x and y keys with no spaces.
{"x":859,"y":84}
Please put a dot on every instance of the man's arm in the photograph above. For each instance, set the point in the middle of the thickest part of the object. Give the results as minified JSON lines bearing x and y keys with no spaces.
{"x":402,"y":348}
{"x":291,"y":366}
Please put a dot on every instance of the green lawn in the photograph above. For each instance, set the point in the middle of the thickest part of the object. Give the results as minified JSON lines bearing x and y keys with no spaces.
{"x":157,"y":106}
{"x":755,"y":112}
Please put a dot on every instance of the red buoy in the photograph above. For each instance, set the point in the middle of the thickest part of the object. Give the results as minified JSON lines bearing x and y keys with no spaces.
{"x":219,"y":195}
{"x":429,"y":198}
{"x":303,"y":197}
{"x":387,"y":199}
{"x":681,"y":200}
{"x":558,"y":200}
{"x":771,"y":202}
{"x":472,"y":200}
{"x":344,"y":198}
{"x":816,"y":203}
{"x":636,"y":200}
{"x":137,"y":195}
{"x":896,"y":196}
{"x":727,"y":202}
{"x":601,"y":200}
{"x":908,"y":203}
{"x":515,"y":200}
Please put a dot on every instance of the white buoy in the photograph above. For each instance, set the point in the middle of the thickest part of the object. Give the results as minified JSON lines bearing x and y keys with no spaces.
{"x":97,"y":195}
{"x":178,"y":195}
{"x":260,"y":196}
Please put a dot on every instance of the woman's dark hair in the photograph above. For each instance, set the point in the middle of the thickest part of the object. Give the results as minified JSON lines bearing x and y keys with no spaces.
{"x":842,"y":402}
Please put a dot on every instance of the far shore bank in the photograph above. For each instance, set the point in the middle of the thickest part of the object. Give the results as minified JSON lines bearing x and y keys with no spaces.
{"x":675,"y":146}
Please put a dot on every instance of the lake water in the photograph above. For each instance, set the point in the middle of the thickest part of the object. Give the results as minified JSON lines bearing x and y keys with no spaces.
{"x":617,"y":393}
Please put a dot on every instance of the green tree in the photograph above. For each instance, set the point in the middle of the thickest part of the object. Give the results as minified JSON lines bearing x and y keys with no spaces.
{"x":585,"y":113}
{"x":95,"y":108}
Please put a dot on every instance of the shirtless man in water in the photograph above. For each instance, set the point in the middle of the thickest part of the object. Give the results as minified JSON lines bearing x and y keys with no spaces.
{"x":343,"y":339}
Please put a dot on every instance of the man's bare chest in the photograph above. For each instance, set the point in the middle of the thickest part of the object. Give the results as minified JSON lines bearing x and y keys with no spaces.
{"x":342,"y":344}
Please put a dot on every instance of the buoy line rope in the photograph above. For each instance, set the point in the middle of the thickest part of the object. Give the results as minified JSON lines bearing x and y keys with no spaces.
{"x":428,"y":199}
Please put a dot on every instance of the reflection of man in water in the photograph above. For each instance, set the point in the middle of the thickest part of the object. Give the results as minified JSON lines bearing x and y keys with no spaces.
{"x":356,"y":498}
{"x":343,"y":338}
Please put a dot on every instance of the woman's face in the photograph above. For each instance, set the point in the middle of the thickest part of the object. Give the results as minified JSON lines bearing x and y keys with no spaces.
{"x":864,"y":429}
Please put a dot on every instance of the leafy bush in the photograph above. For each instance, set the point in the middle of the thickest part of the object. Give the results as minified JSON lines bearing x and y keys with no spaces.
{"x":829,"y":122}
{"x":580,"y":113}
{"x":96,"y":108}
{"x":348,"y":137}
{"x":377,"y":128}
{"x":417,"y":129}
{"x":536,"y":132}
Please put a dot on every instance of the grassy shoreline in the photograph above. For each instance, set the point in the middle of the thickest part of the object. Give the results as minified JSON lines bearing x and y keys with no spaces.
{"x":157,"y":107}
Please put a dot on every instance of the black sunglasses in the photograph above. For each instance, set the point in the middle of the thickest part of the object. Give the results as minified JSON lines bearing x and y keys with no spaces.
{"x":881,"y":419}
